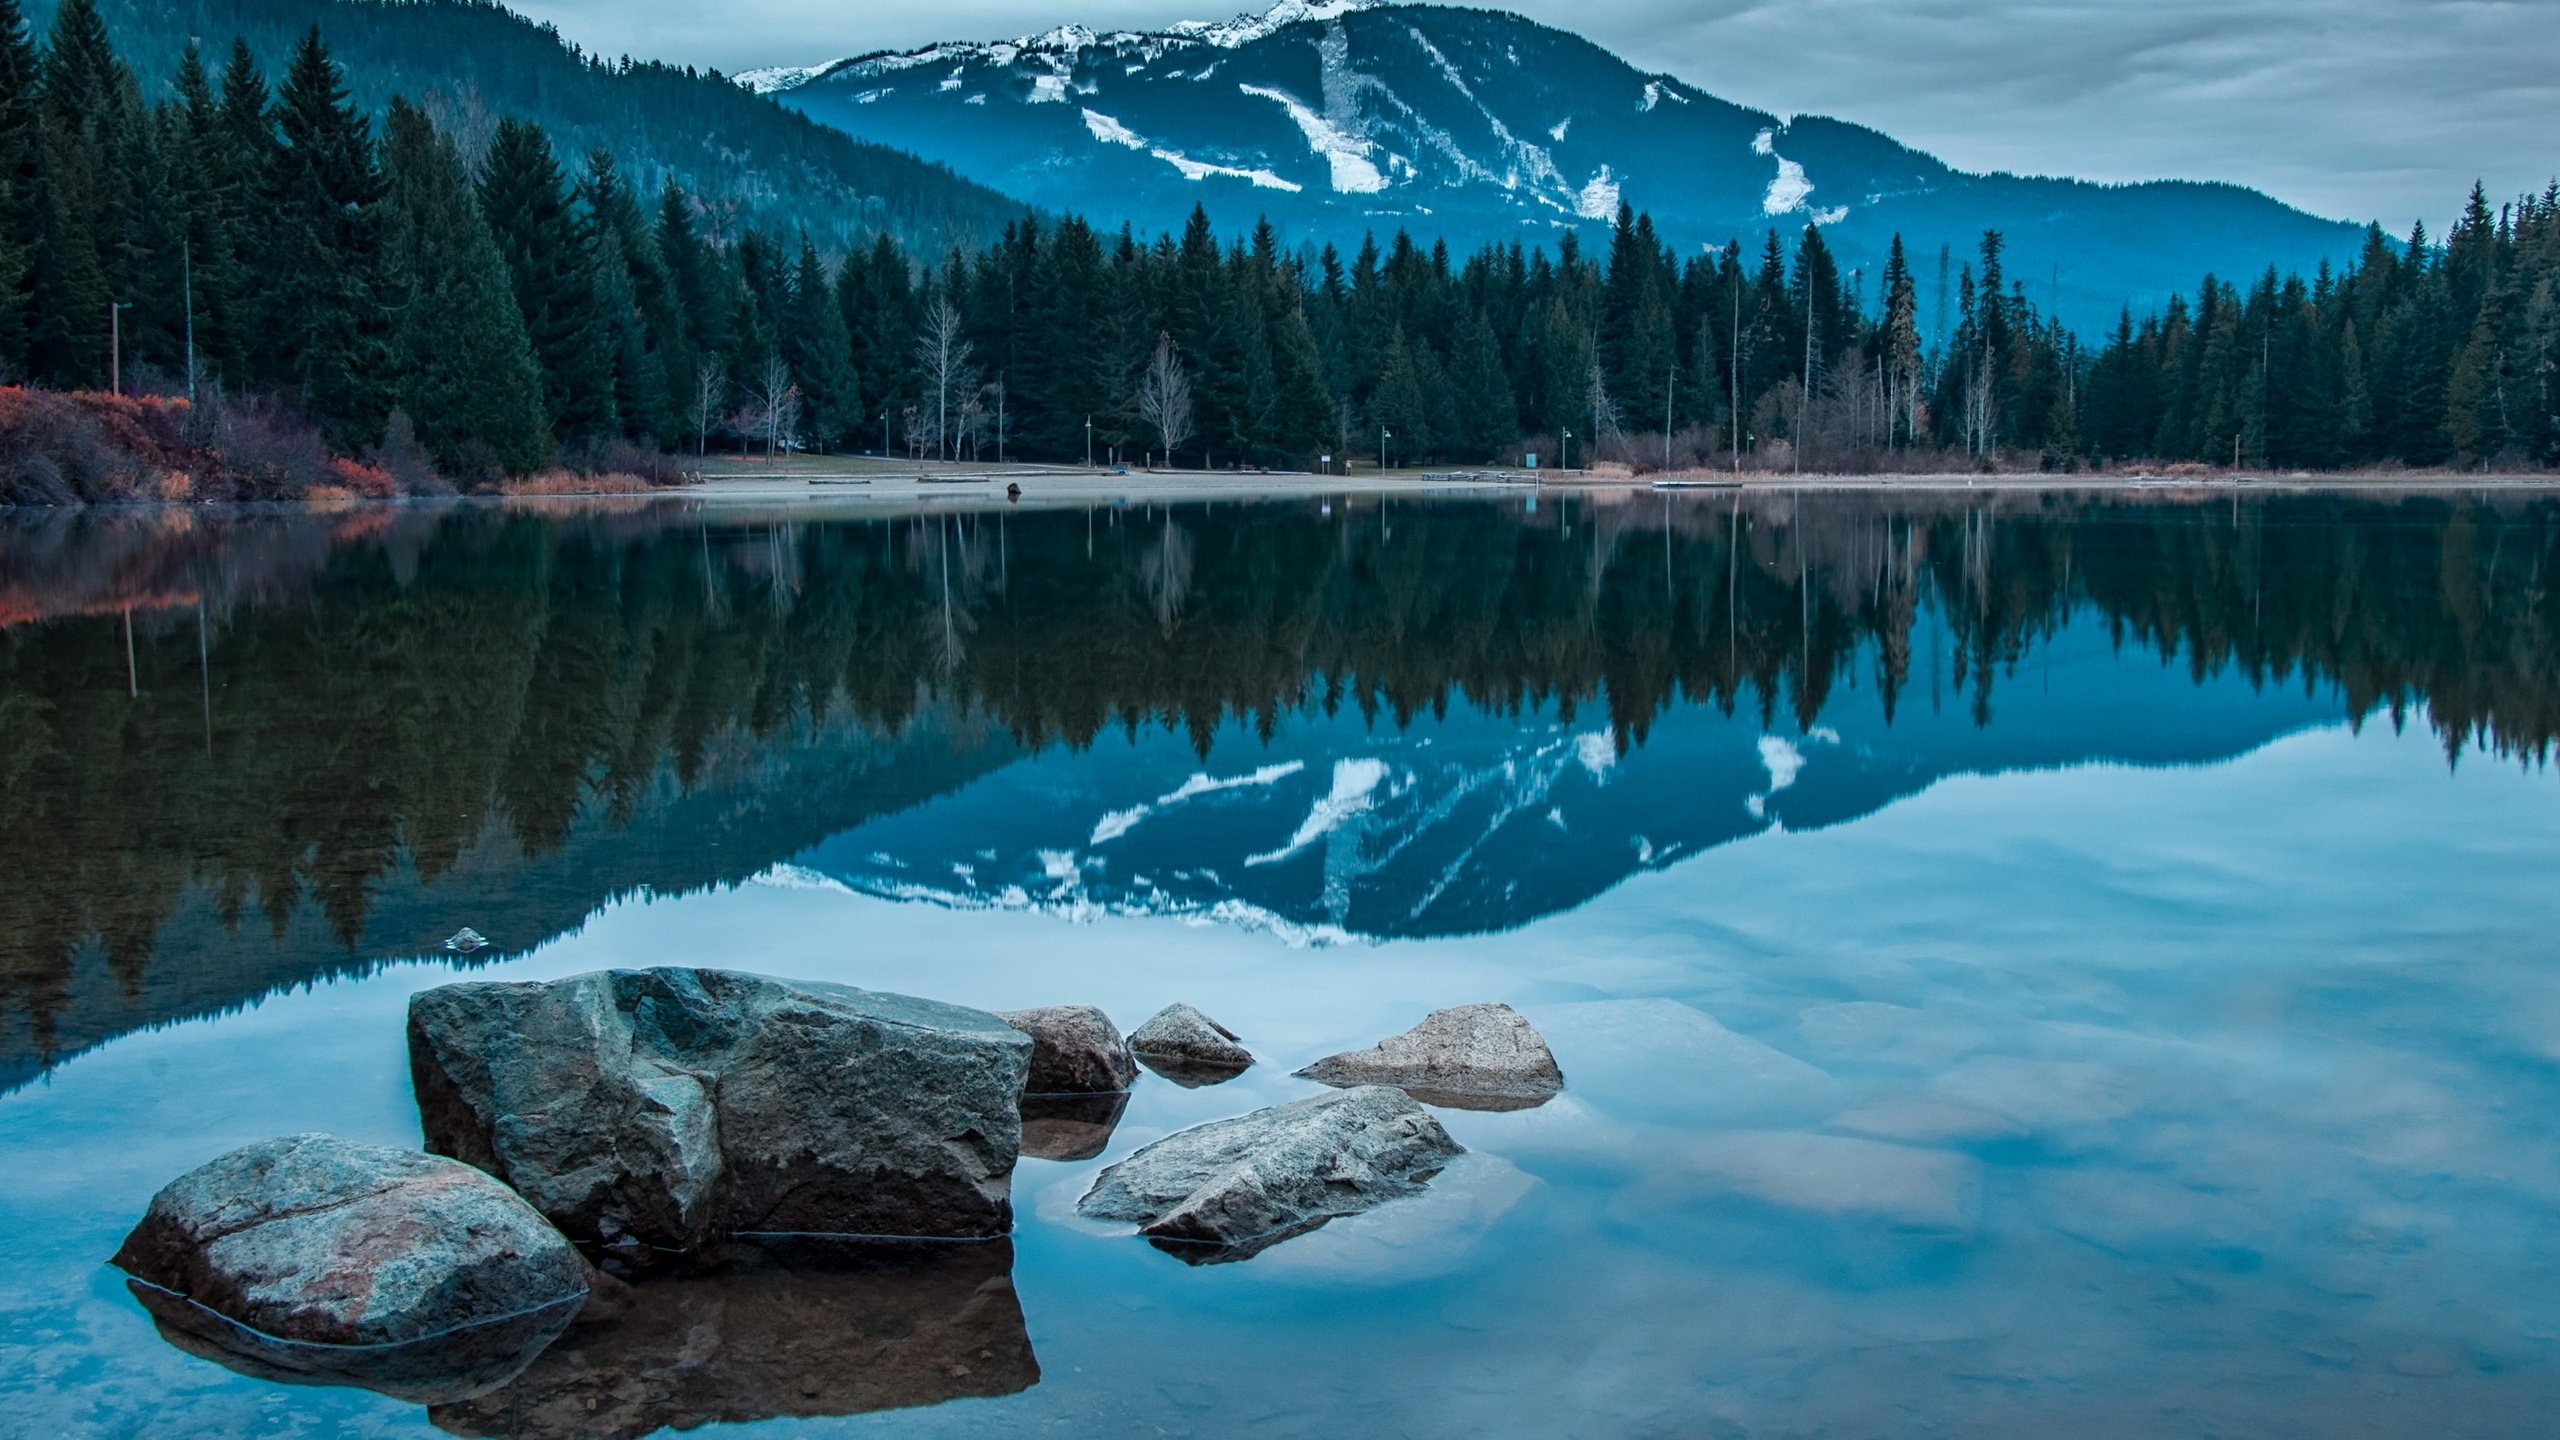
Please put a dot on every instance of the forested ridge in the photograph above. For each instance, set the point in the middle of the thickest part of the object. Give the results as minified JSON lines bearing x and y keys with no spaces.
{"x":461,"y":313}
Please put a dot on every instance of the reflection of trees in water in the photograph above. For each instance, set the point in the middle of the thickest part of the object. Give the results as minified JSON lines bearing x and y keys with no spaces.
{"x":1164,"y":571}
{"x":385,"y":688}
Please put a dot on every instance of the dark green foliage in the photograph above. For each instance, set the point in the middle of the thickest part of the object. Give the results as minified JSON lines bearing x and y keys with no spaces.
{"x":465,"y":373}
{"x":259,"y":229}
{"x":322,"y":322}
{"x":2415,"y":354}
{"x":559,"y":279}
{"x":760,"y":163}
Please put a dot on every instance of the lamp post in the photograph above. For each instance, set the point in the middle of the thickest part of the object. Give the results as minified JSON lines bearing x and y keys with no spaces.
{"x":1564,"y":459}
{"x":1088,"y":442}
{"x":884,"y":434}
{"x":115,"y":342}
{"x":1384,"y":435}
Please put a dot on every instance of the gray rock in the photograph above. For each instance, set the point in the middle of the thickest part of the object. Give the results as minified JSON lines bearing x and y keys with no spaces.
{"x":1473,"y":1057}
{"x":1190,"y":1049}
{"x":800,"y":1329}
{"x":1230,"y":1189}
{"x":319,"y":1260}
{"x":664,"y":1107}
{"x":1075,"y":1050}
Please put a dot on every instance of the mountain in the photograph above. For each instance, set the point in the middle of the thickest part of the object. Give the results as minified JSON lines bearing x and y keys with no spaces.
{"x":1340,"y":117}
{"x":470,"y":63}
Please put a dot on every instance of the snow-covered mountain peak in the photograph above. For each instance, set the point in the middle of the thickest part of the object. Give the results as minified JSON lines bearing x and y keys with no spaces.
{"x":1247,"y":28}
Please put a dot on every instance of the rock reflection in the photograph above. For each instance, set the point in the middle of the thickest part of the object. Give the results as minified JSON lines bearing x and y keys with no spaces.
{"x":438,"y":1370}
{"x":781,"y":1327}
{"x":1191,"y":1074}
{"x":1070,"y":1127}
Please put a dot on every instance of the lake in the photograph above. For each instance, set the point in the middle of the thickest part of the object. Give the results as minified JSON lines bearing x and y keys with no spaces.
{"x":2062,"y":964}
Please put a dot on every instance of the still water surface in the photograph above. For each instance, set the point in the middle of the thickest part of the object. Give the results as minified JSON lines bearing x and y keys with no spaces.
{"x":2064,"y":966}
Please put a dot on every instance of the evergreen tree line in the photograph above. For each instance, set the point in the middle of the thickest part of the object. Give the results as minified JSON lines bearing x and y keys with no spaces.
{"x":510,"y":307}
{"x":2418,"y":354}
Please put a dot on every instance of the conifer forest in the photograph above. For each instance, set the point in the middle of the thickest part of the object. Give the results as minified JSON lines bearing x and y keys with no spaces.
{"x":458,"y":312}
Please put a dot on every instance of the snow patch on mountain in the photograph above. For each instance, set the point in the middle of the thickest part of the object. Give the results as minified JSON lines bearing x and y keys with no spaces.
{"x":1599,"y":199}
{"x":1201,"y":170}
{"x":1111,"y":132}
{"x":1247,"y":28}
{"x":773,"y":78}
{"x":1354,"y":173}
{"x":1561,"y":126}
{"x":1655,"y":92}
{"x":1787,"y":193}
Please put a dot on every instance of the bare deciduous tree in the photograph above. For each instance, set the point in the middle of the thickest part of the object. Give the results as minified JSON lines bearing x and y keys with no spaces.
{"x":710,"y":383}
{"x":1164,"y":397}
{"x":777,"y":407}
{"x":950,"y":381}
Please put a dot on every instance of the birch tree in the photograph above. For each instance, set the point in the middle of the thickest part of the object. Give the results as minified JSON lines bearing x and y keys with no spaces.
{"x":950,"y":381}
{"x":1164,"y":397}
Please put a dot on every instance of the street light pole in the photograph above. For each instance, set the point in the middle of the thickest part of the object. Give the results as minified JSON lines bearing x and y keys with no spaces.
{"x":1565,"y":460}
{"x":115,"y":342}
{"x":1088,"y":442}
{"x":1384,"y":435}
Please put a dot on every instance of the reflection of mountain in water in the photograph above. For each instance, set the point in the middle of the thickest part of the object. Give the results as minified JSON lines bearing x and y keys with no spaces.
{"x":241,"y":751}
{"x":1478,"y":822}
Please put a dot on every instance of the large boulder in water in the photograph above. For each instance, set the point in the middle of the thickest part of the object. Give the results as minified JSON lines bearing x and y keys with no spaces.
{"x":665,"y":1107}
{"x":1189,"y":1049}
{"x":1472,"y":1057}
{"x":799,"y":1328}
{"x":1233,"y":1188}
{"x":1075,"y":1050}
{"x":321,"y":1260}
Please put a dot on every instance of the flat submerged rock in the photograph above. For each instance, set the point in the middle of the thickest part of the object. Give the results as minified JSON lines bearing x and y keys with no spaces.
{"x":1230,"y":1189}
{"x":1470,"y":1057}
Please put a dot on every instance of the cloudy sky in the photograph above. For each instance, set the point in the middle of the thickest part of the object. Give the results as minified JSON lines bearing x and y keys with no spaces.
{"x":2363,"y":109}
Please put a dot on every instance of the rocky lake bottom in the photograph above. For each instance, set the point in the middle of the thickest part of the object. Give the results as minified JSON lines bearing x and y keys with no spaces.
{"x":2050,"y":970}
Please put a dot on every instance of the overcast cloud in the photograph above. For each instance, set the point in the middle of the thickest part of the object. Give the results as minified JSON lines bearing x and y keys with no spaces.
{"x":2365,"y":109}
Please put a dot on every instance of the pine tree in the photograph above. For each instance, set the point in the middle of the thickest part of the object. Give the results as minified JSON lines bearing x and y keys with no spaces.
{"x":21,"y":137}
{"x":653,"y":360}
{"x":1400,"y":407}
{"x":1485,"y":425}
{"x":552,"y":266}
{"x":1900,"y":347}
{"x":322,"y":325}
{"x":83,"y":105}
{"x":820,"y":353}
{"x":462,"y":368}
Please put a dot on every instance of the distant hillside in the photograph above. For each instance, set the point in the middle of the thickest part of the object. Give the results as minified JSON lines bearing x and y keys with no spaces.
{"x":1339,"y":117}
{"x":471,"y":62}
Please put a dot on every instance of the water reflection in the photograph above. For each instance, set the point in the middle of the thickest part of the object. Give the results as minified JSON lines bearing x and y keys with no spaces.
{"x":1070,"y":1127}
{"x":439,"y":1369}
{"x":779,"y":1327}
{"x":241,"y":754}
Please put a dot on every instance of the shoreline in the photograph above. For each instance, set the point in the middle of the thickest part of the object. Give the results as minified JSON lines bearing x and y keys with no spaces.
{"x":863,"y":485}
